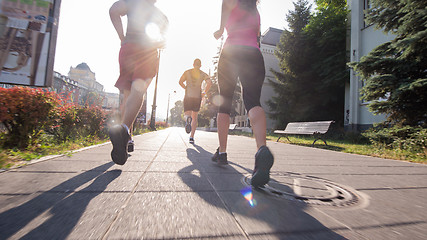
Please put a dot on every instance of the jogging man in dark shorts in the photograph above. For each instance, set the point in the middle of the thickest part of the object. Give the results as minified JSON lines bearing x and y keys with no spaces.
{"x":138,"y":61}
{"x":193,"y":79}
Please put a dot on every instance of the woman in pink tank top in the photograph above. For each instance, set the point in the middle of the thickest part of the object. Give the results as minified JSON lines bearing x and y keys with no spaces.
{"x":241,"y":59}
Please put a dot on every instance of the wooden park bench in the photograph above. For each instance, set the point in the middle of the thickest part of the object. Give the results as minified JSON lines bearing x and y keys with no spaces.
{"x":232,"y":127}
{"x":317,"y":129}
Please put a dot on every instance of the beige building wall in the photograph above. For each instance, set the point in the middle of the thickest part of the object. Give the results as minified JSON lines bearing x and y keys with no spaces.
{"x":271,"y":63}
{"x":84,"y":76}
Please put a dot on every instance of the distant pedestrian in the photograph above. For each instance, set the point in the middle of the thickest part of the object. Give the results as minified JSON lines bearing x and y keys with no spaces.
{"x":241,"y":59}
{"x":138,"y":59}
{"x":193,"y":79}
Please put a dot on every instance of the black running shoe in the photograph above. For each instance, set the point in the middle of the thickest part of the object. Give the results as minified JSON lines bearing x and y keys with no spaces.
{"x":131,"y":146}
{"x":119,"y":137}
{"x":188,"y":125}
{"x":191,"y":140}
{"x":263,"y":162}
{"x":220,"y":159}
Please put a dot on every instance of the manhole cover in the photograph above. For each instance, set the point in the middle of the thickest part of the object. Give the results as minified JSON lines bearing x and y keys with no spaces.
{"x":309,"y":190}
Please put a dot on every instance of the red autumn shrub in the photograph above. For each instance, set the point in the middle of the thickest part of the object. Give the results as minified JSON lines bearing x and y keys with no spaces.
{"x":72,"y":121}
{"x":28,"y":112}
{"x":91,"y":120}
{"x":25,"y":112}
{"x":63,"y":122}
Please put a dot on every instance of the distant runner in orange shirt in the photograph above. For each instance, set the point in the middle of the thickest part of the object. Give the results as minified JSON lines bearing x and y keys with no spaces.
{"x":193,"y":79}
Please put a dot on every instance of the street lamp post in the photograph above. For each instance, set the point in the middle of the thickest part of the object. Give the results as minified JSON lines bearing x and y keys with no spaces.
{"x":153,"y":107}
{"x":167,"y":113}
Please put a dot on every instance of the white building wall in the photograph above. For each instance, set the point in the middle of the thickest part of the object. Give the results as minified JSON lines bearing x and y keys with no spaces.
{"x":363,"y":39}
{"x":270,"y":62}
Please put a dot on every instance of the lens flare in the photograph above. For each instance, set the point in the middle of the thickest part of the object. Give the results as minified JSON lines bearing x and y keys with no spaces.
{"x":218,"y":100}
{"x":247,"y":194}
{"x":153,"y":31}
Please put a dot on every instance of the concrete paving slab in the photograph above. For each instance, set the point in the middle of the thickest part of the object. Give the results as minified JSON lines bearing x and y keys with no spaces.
{"x":274,"y":216}
{"x":396,"y":231}
{"x":299,"y":236}
{"x":170,"y":189}
{"x":174,"y":215}
{"x":175,"y":182}
{"x":59,"y":181}
{"x":79,"y":215}
{"x":164,"y":167}
{"x":360,"y":170}
{"x":379,"y":182}
{"x":231,"y":168}
{"x":62,"y":165}
{"x":227,"y":181}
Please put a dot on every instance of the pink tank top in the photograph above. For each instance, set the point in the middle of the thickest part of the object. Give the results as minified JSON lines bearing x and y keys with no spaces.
{"x":242,"y":28}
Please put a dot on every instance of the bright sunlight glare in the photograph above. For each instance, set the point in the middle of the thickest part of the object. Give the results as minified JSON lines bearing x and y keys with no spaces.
{"x":153,"y":31}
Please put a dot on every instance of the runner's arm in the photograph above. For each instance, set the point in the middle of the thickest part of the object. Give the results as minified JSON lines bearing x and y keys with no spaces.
{"x":208,"y":85}
{"x":182,"y":80}
{"x":117,"y":10}
{"x":227,"y":6}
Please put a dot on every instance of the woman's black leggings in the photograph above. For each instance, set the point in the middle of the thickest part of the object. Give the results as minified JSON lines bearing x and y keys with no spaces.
{"x":247,"y":65}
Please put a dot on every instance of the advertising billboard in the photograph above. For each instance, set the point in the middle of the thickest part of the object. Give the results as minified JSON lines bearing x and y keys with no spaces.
{"x":28,"y":32}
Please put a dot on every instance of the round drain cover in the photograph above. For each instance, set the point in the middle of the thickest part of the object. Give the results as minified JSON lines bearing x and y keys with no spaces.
{"x":309,"y":190}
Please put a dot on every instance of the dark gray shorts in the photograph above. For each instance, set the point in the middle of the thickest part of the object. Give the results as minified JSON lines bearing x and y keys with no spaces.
{"x":192,"y":104}
{"x":247,"y":65}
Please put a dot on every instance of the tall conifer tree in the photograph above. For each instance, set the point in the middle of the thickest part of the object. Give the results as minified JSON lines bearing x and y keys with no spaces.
{"x":327,"y":33}
{"x":312,"y":56}
{"x":289,"y":104}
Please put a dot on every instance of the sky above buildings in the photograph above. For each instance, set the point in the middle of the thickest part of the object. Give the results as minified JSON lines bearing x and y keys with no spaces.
{"x":86,"y":35}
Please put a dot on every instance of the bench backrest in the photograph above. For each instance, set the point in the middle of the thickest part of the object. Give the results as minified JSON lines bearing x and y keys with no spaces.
{"x":308,"y":127}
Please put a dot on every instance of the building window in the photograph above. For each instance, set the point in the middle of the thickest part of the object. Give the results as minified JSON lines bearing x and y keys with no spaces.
{"x":366,"y":6}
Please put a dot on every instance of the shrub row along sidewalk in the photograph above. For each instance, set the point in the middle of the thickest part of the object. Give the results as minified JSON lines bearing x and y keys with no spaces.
{"x":35,"y":119}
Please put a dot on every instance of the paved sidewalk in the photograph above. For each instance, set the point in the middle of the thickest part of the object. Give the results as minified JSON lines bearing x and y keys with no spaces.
{"x":169,"y":189}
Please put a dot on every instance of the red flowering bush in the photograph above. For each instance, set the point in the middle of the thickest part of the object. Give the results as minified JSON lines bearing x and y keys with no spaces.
{"x":63,"y":121}
{"x":24,"y":112}
{"x":28,"y":112}
{"x":91,"y":121}
{"x":71,"y":121}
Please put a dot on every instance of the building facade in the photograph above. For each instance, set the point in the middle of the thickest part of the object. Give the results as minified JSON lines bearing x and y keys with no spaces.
{"x":65,"y":86}
{"x":83,"y":75}
{"x":81,"y":86}
{"x":363,"y":38}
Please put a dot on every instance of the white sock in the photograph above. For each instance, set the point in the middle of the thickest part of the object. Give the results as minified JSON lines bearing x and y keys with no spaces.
{"x":222,"y":152}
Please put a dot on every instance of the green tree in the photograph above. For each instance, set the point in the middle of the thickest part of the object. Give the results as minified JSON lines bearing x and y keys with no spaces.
{"x":176,"y":118}
{"x":312,"y":56}
{"x":327,"y":33}
{"x":395,"y":72}
{"x":292,"y":102}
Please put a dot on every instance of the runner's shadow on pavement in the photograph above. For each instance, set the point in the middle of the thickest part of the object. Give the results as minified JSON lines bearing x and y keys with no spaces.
{"x":285,"y":218}
{"x":61,"y":205}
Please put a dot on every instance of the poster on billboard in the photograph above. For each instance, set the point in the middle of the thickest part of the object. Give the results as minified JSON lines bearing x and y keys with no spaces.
{"x":28,"y":32}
